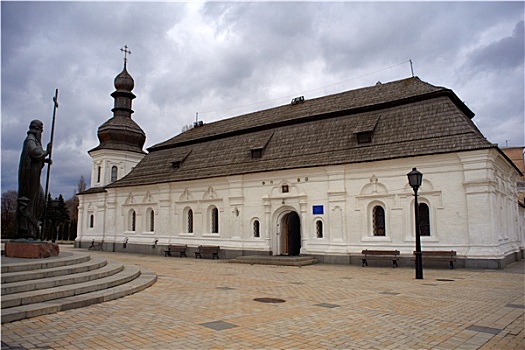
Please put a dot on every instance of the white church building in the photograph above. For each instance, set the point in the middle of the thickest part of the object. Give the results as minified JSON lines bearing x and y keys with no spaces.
{"x":325,"y":177}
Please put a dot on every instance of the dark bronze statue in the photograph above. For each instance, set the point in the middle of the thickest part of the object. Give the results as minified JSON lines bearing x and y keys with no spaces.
{"x":31,"y":199}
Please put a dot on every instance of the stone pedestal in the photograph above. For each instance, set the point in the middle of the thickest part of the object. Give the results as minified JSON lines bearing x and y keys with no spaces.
{"x":30,"y":250}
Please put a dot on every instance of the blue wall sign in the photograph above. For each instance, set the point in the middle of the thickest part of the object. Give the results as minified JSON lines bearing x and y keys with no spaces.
{"x":318,"y":209}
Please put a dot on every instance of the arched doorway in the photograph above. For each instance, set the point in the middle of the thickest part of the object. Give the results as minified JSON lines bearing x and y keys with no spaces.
{"x":290,"y":234}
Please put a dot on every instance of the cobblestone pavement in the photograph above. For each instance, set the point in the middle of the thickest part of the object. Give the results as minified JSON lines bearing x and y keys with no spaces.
{"x":210,"y":304}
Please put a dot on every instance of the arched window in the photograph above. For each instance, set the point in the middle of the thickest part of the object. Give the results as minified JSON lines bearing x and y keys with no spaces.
{"x":114,"y":172}
{"x":379,"y":221}
{"x":151,"y":220}
{"x":189,"y":227}
{"x":132,"y":220}
{"x":91,"y":221}
{"x":215,"y":220}
{"x":424,"y":219}
{"x":319,"y":228}
{"x":256,"y":229}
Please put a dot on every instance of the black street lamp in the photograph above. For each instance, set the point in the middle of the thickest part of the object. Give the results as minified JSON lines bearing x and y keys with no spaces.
{"x":415,"y":178}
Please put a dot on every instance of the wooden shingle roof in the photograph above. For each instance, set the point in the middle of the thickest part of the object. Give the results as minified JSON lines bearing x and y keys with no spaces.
{"x":408,"y":118}
{"x":121,"y":133}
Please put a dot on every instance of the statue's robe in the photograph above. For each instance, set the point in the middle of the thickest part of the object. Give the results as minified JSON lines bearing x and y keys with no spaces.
{"x":31,"y":199}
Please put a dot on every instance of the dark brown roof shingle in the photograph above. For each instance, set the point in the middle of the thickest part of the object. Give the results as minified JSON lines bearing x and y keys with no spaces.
{"x":408,"y":118}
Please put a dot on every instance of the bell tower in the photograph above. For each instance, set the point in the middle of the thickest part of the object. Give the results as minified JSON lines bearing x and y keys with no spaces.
{"x":120,"y":138}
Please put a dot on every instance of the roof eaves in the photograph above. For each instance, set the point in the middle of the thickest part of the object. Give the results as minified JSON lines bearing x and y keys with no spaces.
{"x":92,"y":190}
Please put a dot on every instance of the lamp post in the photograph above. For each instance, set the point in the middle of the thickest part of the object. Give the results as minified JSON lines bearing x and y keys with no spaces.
{"x":415,"y":179}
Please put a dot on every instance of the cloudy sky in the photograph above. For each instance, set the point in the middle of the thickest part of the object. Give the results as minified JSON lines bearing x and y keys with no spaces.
{"x":225,"y":59}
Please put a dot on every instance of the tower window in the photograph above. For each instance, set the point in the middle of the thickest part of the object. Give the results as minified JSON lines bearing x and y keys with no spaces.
{"x":114,"y":172}
{"x":284,"y":188}
{"x":99,"y":172}
{"x":91,"y":221}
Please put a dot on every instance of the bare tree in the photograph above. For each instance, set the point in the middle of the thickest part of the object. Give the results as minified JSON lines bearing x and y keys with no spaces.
{"x":72,"y":208}
{"x":81,"y":185}
{"x":9,"y":203}
{"x":72,"y":203}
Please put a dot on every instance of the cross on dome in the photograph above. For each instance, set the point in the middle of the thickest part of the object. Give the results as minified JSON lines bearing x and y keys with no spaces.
{"x":126,"y":52}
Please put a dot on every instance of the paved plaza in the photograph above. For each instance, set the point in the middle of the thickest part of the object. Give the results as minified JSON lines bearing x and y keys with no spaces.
{"x":210,"y":304}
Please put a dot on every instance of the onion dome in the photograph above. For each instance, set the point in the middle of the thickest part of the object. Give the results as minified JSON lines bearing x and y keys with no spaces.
{"x":124,"y":81}
{"x":121,"y":132}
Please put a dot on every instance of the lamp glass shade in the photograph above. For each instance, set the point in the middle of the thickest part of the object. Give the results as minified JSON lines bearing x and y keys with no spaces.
{"x":415,"y":178}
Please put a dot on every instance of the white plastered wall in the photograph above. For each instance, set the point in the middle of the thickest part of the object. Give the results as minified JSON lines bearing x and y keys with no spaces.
{"x":471,"y":197}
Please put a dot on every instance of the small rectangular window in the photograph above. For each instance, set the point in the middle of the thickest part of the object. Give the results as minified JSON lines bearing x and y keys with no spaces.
{"x":256,"y":153}
{"x":284,"y":188}
{"x":179,"y":158}
{"x":364,"y":137}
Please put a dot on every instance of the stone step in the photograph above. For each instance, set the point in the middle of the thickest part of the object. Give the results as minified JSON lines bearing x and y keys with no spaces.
{"x":275,"y":260}
{"x":63,"y":259}
{"x":89,"y":265}
{"x":70,"y":280}
{"x":105,"y":269}
{"x":145,"y":279}
{"x":128,"y":273}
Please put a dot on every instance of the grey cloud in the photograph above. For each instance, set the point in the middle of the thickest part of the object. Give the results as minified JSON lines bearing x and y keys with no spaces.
{"x":226,"y":55}
{"x":426,"y":32}
{"x":507,"y":53}
{"x":272,"y":34}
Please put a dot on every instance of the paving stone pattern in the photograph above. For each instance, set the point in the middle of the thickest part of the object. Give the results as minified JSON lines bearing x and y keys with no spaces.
{"x":209,"y":304}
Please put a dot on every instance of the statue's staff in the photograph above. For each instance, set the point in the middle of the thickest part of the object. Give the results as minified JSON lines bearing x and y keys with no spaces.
{"x":55,"y":103}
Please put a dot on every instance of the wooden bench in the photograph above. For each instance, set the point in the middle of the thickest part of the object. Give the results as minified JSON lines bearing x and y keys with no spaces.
{"x":439,"y":255}
{"x":380,"y":255}
{"x":172,"y":248}
{"x":207,"y":249}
